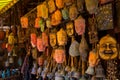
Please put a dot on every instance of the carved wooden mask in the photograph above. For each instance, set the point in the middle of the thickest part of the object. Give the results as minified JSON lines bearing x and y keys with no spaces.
{"x":70,"y":29}
{"x":59,"y":55}
{"x":33,"y":39}
{"x":108,"y":48}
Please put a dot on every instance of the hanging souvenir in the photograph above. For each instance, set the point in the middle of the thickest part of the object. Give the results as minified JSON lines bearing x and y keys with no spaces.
{"x":34,"y":53}
{"x":74,"y":48}
{"x":92,"y":6}
{"x":37,"y":23}
{"x":7,"y":30}
{"x":59,"y":3}
{"x":68,"y":2}
{"x":39,"y":11}
{"x":65,"y":13}
{"x":53,"y":38}
{"x":105,"y":1}
{"x":40,"y":46}
{"x":70,"y":28}
{"x":45,"y":39}
{"x":61,"y":37}
{"x":42,"y":24}
{"x":100,"y":72}
{"x":59,"y":55}
{"x":9,"y":47}
{"x":24,"y":22}
{"x":107,"y":48}
{"x":6,"y":63}
{"x":80,"y":25}
{"x":11,"y":39}
{"x":41,"y":60}
{"x":56,"y":18}
{"x":48,"y":23}
{"x":33,"y":39}
{"x":51,"y":6}
{"x":83,"y":48}
{"x":2,"y":34}
{"x":14,"y":30}
{"x":104,"y":17}
{"x":44,"y":10}
{"x":3,"y":45}
{"x":73,"y":13}
{"x":11,"y":60}
{"x":80,"y":5}
{"x":93,"y":35}
{"x":20,"y":61}
{"x":93,"y":57}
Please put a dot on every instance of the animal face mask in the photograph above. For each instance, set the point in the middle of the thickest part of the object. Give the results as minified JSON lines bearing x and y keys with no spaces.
{"x":108,"y":48}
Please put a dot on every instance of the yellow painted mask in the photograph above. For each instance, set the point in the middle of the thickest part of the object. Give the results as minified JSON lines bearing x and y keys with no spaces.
{"x":52,"y":39}
{"x":61,"y":37}
{"x":11,"y":39}
{"x":108,"y":48}
{"x":69,"y":28}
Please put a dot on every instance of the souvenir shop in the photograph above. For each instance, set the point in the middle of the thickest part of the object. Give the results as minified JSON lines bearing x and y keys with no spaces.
{"x":60,"y":40}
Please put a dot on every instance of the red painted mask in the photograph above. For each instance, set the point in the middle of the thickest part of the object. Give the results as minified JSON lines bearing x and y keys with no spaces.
{"x":45,"y":39}
{"x":37,"y":23}
{"x":79,"y":25}
{"x":33,"y":39}
{"x":24,"y":22}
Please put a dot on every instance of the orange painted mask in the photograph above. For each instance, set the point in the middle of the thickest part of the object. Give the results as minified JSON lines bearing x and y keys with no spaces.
{"x":33,"y":39}
{"x":59,"y":55}
{"x":37,"y":23}
{"x":24,"y":22}
{"x":45,"y":39}
{"x":40,"y":46}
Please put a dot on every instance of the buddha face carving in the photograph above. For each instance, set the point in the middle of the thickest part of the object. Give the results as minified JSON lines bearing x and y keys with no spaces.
{"x":59,"y":55}
{"x":80,"y":25}
{"x":108,"y":48}
{"x":52,"y":39}
{"x":69,"y":28}
{"x":61,"y":37}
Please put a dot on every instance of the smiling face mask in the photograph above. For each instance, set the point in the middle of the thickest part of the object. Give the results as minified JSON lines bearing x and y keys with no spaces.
{"x":108,"y":48}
